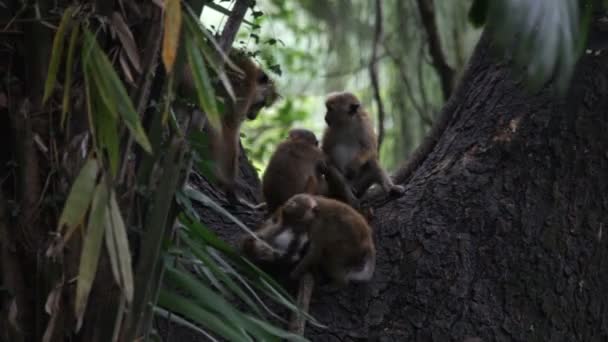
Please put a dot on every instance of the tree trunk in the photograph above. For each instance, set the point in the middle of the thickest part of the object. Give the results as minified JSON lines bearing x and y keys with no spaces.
{"x":500,"y":233}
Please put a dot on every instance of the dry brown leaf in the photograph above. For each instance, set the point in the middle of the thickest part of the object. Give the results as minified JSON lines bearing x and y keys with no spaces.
{"x":126,"y":38}
{"x":172,"y":27}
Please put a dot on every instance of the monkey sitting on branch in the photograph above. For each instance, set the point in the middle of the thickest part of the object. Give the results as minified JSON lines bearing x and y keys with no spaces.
{"x":351,"y":145}
{"x":253,"y":90}
{"x":298,"y":166}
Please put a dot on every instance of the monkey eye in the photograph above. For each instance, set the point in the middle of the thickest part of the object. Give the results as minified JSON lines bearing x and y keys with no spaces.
{"x":263,"y":79}
{"x":353,"y":108}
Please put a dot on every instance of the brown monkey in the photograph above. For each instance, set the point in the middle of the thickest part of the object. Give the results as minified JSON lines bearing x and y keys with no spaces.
{"x":253,"y":90}
{"x":339,"y":239}
{"x":296,"y":166}
{"x":282,"y":244}
{"x":351,"y":145}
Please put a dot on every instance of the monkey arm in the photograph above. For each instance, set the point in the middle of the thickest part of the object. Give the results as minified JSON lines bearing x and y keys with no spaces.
{"x":339,"y":188}
{"x":311,"y":258}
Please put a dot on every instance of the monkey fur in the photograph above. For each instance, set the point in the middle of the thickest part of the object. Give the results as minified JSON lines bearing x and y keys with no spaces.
{"x":320,"y":234}
{"x":253,"y":90}
{"x":351,"y":145}
{"x":296,"y":166}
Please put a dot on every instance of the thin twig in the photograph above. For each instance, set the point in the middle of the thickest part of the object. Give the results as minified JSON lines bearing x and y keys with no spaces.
{"x":233,"y":23}
{"x":373,"y":72}
{"x":297,"y":323}
{"x":445,"y":72}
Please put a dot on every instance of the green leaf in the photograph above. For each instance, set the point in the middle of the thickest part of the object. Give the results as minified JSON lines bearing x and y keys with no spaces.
{"x":65,"y":107}
{"x":91,"y":250}
{"x":478,"y":12}
{"x":112,"y":90}
{"x":80,"y":197}
{"x":107,"y":134}
{"x":274,"y":331}
{"x":172,"y":27}
{"x":202,"y":81}
{"x":213,"y":57}
{"x":206,"y":318}
{"x":220,"y":274}
{"x":56,"y":53}
{"x":118,"y":249}
{"x":178,"y":320}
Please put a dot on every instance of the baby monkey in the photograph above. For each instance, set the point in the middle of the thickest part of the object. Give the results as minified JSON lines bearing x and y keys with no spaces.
{"x":351,"y":145}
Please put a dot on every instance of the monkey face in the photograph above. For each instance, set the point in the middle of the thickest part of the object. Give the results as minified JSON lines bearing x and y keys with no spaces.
{"x":265,"y":95}
{"x":299,"y":210}
{"x":341,"y":108}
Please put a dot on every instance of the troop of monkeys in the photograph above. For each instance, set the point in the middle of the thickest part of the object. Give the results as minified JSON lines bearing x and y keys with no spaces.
{"x":311,"y":193}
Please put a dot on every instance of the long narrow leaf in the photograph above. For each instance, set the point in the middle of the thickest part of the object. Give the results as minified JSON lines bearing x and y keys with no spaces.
{"x":186,"y":308}
{"x":91,"y":250}
{"x":80,"y":196}
{"x":56,"y":53}
{"x":211,"y":56}
{"x":202,"y":81}
{"x":118,"y":249}
{"x":109,"y":83}
{"x":178,"y":320}
{"x":69,"y":67}
{"x":199,"y":253}
{"x":172,"y":28}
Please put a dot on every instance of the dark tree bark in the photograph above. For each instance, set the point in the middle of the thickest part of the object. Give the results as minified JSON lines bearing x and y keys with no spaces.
{"x":500,"y":232}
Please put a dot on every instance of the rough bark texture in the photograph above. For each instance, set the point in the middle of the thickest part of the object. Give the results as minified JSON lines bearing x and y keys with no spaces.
{"x":500,"y":233}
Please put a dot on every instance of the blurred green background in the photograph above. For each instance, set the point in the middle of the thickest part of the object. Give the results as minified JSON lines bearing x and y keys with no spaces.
{"x":316,"y":47}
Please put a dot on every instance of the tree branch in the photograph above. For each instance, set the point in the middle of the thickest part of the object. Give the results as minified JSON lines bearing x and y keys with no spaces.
{"x":445,"y":72}
{"x":233,"y":23}
{"x":373,"y":72}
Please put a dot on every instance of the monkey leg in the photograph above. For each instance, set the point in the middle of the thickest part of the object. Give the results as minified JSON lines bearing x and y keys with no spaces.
{"x":338,"y":187}
{"x":382,"y":178}
{"x":311,"y":258}
{"x":297,"y":322}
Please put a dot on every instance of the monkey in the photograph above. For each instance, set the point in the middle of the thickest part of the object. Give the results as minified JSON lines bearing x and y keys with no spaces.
{"x":296,"y":166}
{"x":351,"y":145}
{"x":253,"y":90}
{"x":339,"y":239}
{"x":282,"y":245}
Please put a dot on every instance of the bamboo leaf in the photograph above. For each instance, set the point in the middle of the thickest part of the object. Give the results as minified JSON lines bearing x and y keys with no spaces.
{"x":91,"y":250}
{"x":172,"y":27}
{"x":116,"y":97}
{"x":212,"y":57}
{"x":65,"y":107}
{"x":118,"y":249}
{"x":198,"y":30}
{"x":178,"y":320}
{"x":202,"y":81}
{"x":126,"y":38}
{"x":56,"y":53}
{"x":187,"y":308}
{"x":80,"y":196}
{"x":107,"y":134}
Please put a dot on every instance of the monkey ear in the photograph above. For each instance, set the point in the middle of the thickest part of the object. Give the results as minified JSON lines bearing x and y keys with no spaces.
{"x":352,"y":110}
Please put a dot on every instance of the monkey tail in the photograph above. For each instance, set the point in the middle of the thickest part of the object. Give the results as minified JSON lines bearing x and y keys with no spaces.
{"x":364,"y":271}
